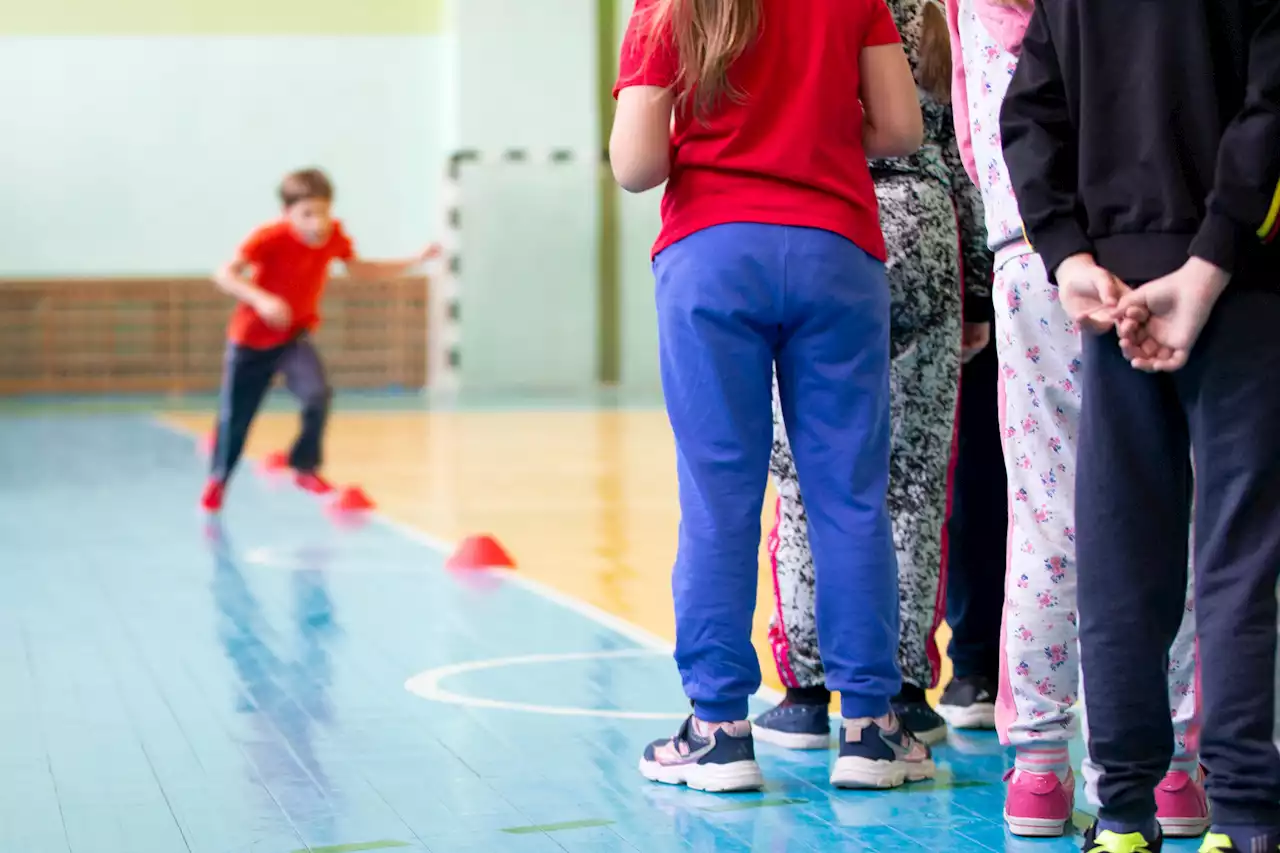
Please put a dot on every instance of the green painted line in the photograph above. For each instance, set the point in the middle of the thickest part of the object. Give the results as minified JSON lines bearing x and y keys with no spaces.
{"x":352,"y":848}
{"x":1081,"y":820}
{"x":556,"y":827}
{"x":755,"y":804}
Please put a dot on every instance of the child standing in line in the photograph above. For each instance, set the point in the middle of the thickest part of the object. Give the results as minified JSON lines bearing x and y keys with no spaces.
{"x":933,"y":226}
{"x":1143,"y":143}
{"x":976,"y":534}
{"x":771,"y":252}
{"x":1039,"y":349}
{"x":278,"y":276}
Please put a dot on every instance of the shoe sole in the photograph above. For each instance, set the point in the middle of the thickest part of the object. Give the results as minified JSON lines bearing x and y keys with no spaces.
{"x":981,"y":716}
{"x":1183,"y":827}
{"x":712,"y":778}
{"x":856,"y":773}
{"x":1036,"y":827}
{"x":791,"y":740}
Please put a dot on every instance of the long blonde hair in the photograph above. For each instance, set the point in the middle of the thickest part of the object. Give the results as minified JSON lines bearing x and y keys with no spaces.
{"x":933,"y":68}
{"x":707,"y":36}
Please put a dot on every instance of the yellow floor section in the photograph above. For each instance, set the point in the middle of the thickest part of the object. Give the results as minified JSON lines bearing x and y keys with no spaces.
{"x":585,"y":501}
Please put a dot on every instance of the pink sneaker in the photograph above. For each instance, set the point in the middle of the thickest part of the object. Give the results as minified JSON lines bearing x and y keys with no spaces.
{"x":1038,"y":804}
{"x":1181,"y":805}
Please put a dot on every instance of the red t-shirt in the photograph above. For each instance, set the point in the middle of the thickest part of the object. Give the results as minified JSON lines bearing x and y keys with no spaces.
{"x":292,"y":270}
{"x":790,"y":153}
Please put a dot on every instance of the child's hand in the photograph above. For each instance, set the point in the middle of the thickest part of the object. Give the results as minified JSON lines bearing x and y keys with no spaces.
{"x":1163,"y":319}
{"x":430,"y":253}
{"x":1089,"y":293}
{"x":974,"y":339}
{"x":273,"y":310}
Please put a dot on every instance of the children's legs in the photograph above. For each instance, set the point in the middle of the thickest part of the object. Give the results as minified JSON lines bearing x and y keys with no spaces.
{"x":246,"y":377}
{"x":979,"y":526}
{"x":1132,"y":517}
{"x":793,"y":632}
{"x":923,"y":272}
{"x":833,"y":380}
{"x":717,"y":295}
{"x":1039,"y":353}
{"x":305,"y":377}
{"x":1233,"y":409}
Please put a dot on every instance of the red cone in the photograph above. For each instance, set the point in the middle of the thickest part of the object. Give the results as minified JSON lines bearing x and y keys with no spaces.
{"x":275,"y":462}
{"x":352,"y":499}
{"x":480,"y":552}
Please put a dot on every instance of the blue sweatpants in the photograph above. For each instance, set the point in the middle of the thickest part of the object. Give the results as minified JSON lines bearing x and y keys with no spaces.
{"x":733,"y":300}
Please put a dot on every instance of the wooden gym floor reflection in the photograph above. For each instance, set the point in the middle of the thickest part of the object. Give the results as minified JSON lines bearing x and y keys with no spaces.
{"x":584,"y":500}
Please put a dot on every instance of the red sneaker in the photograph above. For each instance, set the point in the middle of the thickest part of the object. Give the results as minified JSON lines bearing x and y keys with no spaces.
{"x":310,"y":481}
{"x":211,"y":500}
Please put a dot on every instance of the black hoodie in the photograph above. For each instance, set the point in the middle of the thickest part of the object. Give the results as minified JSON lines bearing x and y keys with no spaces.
{"x":1144,"y":131}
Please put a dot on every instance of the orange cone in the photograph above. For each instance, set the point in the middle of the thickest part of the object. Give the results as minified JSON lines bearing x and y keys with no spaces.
{"x":352,"y":499}
{"x":480,"y":552}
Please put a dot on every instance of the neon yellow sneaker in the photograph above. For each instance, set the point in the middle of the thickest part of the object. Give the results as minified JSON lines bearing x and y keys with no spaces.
{"x":1107,"y":841}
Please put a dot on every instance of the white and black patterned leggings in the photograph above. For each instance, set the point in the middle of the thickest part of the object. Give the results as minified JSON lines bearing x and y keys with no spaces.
{"x":919,"y":222}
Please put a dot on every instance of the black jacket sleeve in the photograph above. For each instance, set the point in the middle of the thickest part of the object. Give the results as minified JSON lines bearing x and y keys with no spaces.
{"x":1040,"y":148}
{"x":1244,"y":204}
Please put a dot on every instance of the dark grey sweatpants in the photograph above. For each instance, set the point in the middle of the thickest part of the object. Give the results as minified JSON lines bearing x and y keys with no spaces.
{"x":246,"y":378}
{"x":1133,"y":504}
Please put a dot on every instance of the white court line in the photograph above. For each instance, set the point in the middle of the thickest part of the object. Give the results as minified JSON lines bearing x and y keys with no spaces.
{"x":427,"y":686}
{"x":619,"y":626}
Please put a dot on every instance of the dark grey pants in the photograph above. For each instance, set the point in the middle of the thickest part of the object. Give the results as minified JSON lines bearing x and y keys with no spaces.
{"x":246,"y":378}
{"x":1133,"y":506}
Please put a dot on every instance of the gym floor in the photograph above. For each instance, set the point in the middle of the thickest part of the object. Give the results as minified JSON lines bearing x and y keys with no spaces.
{"x":284,"y":681}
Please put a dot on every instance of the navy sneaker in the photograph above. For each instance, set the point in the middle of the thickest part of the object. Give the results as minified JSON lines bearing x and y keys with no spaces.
{"x":913,"y":710}
{"x":969,"y":703}
{"x":1107,"y":841}
{"x":872,"y":756}
{"x":720,"y":762}
{"x":795,"y":726}
{"x":1216,"y":842}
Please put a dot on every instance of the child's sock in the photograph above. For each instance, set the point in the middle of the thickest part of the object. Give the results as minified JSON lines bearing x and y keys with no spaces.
{"x":737,"y":728}
{"x":1251,"y":839}
{"x":1189,"y":764}
{"x":1149,"y":828}
{"x":1046,"y":758}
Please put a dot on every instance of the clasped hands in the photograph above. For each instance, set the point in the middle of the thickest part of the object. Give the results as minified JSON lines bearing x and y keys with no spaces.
{"x":1158,"y":323}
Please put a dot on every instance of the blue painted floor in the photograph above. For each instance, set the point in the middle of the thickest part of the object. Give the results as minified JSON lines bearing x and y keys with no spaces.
{"x":172,"y":686}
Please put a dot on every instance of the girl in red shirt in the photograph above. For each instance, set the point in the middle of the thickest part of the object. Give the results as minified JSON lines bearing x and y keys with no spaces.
{"x":760,"y":115}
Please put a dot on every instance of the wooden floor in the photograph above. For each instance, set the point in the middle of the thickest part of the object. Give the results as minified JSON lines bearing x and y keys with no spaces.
{"x":276,"y":682}
{"x":584,"y":500}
